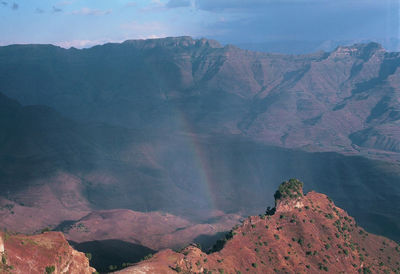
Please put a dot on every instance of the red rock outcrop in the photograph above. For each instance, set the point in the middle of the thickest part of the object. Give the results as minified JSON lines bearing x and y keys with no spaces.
{"x":312,"y":238}
{"x":48,"y":252}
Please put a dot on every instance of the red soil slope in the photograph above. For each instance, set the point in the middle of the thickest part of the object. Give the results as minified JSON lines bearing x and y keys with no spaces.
{"x":306,"y":234}
{"x":43,"y":253}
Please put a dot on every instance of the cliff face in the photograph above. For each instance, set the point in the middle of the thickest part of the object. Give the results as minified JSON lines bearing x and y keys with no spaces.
{"x":43,"y":253}
{"x":306,"y":234}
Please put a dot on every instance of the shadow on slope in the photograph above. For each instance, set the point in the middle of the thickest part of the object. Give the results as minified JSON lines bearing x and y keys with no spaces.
{"x":112,"y":253}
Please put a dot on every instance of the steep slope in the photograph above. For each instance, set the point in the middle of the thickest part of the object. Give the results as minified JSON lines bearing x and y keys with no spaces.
{"x":302,"y":234}
{"x":320,"y":99}
{"x":43,"y":253}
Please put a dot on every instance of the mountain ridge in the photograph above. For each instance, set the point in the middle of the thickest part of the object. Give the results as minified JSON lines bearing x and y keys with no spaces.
{"x":217,"y":89}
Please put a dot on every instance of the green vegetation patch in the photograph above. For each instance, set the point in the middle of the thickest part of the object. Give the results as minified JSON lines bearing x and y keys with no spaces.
{"x":50,"y":269}
{"x":290,"y":189}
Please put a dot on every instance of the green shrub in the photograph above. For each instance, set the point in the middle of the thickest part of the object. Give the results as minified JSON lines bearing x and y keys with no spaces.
{"x":289,"y":189}
{"x":46,"y":229}
{"x":89,"y":256}
{"x":50,"y":269}
{"x":300,"y":241}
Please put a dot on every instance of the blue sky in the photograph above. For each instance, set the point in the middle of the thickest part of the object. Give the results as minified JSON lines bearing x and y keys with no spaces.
{"x":83,"y":23}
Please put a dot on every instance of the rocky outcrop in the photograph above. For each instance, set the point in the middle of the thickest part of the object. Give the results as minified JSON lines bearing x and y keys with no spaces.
{"x":1,"y":245}
{"x":289,"y":196}
{"x":48,"y":252}
{"x":312,"y":238}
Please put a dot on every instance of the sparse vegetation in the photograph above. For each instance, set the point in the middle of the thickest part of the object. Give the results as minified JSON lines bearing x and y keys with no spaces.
{"x":323,"y":267}
{"x":46,"y":229}
{"x":149,"y":256}
{"x":177,"y":269}
{"x":89,"y":256}
{"x":300,"y":241}
{"x":50,"y":269}
{"x":366,"y":270}
{"x":289,"y":189}
{"x":221,"y":243}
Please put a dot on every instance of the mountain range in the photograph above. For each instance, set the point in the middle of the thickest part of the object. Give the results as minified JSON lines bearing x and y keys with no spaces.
{"x":195,"y":130}
{"x":344,"y":101}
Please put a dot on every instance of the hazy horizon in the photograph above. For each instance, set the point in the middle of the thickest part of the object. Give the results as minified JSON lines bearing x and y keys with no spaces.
{"x":284,"y":26}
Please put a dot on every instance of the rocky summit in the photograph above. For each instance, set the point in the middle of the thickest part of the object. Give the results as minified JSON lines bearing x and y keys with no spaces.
{"x":303,"y":234}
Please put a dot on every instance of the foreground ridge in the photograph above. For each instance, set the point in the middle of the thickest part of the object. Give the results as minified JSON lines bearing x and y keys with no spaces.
{"x":302,"y":234}
{"x":48,"y":252}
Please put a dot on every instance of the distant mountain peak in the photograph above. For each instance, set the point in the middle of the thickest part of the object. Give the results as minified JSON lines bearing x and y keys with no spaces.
{"x":363,"y":50}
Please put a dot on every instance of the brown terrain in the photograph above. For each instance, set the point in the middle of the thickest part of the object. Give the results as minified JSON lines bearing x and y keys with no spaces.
{"x":48,"y":252}
{"x":306,"y":234}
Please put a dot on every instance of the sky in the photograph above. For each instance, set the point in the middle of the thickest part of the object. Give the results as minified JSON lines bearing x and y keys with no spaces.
{"x":83,"y":23}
